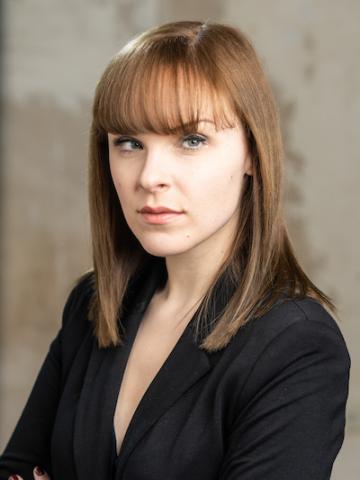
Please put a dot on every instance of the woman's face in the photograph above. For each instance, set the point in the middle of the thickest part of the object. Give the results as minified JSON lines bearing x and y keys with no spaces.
{"x":199,"y":174}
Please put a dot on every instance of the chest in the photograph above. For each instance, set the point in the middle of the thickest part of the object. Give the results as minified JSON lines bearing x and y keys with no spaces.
{"x":152,"y":345}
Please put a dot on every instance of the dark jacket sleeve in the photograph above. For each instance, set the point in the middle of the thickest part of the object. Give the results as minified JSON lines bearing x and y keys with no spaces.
{"x":29,"y":444}
{"x":292,"y":426}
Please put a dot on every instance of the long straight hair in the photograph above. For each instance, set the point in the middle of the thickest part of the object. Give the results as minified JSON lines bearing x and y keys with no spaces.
{"x":159,"y":82}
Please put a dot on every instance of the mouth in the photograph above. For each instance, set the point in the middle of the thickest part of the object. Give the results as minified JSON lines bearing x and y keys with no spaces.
{"x":161,"y":209}
{"x":160,"y":218}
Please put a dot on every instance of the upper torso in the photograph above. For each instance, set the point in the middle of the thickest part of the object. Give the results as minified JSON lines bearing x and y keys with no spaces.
{"x":273,"y":400}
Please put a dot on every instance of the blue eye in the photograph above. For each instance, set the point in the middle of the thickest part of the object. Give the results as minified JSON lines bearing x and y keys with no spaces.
{"x":194,"y":141}
{"x":125,"y":142}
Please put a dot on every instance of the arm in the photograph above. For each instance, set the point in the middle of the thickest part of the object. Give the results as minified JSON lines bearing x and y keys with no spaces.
{"x":29,"y":445}
{"x":292,"y":425}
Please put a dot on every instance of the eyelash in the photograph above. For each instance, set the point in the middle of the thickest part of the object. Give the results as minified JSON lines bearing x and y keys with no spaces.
{"x":200,"y":138}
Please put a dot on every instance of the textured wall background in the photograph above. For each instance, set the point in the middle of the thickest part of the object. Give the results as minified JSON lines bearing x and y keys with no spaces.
{"x":53,"y":56}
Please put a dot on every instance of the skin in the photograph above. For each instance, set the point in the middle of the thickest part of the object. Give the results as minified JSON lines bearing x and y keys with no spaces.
{"x":202,"y":178}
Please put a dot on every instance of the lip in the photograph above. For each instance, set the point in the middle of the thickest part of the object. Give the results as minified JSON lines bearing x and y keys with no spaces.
{"x":161,"y":209}
{"x":160,"y":218}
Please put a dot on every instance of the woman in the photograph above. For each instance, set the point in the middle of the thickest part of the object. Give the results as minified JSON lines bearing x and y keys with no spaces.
{"x":235,"y":367}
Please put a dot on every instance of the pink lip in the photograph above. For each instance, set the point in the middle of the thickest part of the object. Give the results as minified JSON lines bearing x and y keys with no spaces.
{"x":161,"y":209}
{"x":160,"y":218}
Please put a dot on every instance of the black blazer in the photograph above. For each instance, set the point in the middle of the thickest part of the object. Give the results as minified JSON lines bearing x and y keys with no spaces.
{"x":270,"y":406}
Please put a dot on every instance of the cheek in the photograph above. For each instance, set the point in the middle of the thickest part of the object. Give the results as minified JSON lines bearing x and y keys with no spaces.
{"x":220,"y":190}
{"x":120,"y":183}
{"x":118,"y":187}
{"x":119,"y":179}
{"x":216,"y":200}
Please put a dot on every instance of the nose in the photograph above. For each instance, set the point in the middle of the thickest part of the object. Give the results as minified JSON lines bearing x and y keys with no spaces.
{"x":154,"y":174}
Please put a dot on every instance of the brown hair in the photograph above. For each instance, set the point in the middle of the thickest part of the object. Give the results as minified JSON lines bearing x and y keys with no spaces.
{"x":184,"y":64}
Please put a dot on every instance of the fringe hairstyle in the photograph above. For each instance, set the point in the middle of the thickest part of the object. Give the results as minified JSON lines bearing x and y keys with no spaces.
{"x":158,"y":83}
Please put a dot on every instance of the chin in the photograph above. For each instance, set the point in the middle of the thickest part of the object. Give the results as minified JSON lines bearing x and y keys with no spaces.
{"x":163,"y":252}
{"x":158,"y":249}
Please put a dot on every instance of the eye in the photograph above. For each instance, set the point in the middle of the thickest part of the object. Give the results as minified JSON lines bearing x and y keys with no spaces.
{"x":194,"y":141}
{"x":127,"y":144}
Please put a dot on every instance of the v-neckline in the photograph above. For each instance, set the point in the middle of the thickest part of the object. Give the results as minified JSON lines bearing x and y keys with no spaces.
{"x":133,"y":330}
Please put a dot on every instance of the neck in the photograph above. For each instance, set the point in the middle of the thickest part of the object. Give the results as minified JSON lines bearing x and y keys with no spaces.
{"x":190,"y":274}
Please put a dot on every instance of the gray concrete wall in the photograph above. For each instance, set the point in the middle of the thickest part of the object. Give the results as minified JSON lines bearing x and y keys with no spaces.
{"x":54,"y":54}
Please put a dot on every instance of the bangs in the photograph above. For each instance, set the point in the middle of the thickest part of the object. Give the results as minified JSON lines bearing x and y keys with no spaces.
{"x":161,"y":92}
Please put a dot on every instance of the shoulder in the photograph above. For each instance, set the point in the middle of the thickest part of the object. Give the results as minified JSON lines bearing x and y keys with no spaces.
{"x":297,"y":344}
{"x":297,"y":328}
{"x":82,"y":289}
{"x":77,"y":303}
{"x":292,"y":330}
{"x":293,"y":317}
